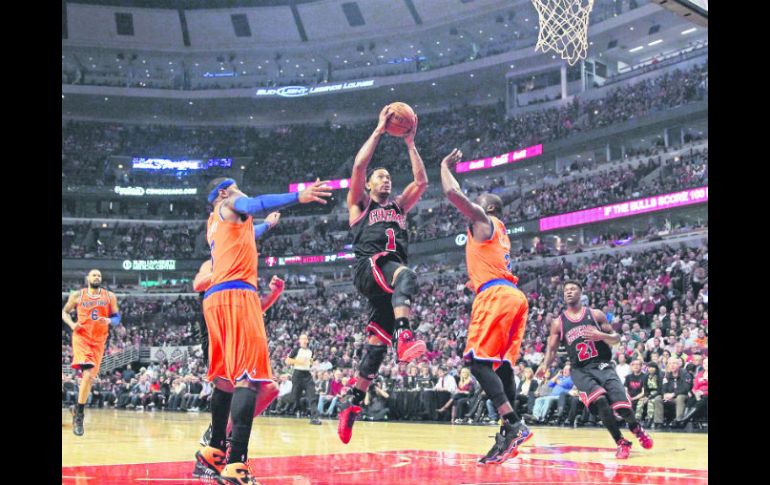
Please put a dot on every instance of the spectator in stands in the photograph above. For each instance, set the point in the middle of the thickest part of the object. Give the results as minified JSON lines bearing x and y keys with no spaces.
{"x":283,"y":402}
{"x":526,"y":391}
{"x":697,"y":402}
{"x":674,"y":392}
{"x":178,"y":391}
{"x":558,"y":384}
{"x":465,"y":390}
{"x":376,"y":402}
{"x":330,"y":394}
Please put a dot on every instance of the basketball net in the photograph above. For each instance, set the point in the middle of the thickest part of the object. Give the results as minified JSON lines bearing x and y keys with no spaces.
{"x":564,"y":27}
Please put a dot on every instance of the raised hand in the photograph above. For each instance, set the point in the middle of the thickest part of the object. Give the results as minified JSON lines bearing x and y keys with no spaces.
{"x":385,"y":115}
{"x":452,"y":159}
{"x":272,"y":219}
{"x":315,"y":192}
{"x":276,"y":284}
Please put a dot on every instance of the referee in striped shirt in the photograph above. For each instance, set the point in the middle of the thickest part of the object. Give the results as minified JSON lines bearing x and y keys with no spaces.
{"x":302,"y":381}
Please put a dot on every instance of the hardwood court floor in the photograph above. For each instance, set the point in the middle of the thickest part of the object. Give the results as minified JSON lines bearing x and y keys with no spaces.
{"x":157,"y":447}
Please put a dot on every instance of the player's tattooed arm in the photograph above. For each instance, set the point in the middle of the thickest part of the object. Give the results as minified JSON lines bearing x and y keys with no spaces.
{"x":415,"y":189}
{"x":363,"y":157}
{"x":550,"y":350}
{"x":482,"y":229}
{"x":72,"y":302}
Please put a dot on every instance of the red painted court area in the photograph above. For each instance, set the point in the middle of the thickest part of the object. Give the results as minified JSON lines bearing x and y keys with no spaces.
{"x":401,"y":468}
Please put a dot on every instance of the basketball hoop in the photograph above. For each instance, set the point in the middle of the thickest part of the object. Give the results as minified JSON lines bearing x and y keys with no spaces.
{"x":564,"y":27}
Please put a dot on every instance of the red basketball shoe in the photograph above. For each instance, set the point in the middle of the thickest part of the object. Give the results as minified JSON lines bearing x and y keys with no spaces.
{"x":643,"y":437}
{"x":346,"y":419}
{"x":624,"y":449}
{"x":408,"y":348}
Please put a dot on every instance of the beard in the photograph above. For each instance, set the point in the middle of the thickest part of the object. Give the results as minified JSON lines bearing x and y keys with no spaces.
{"x":94,"y":286}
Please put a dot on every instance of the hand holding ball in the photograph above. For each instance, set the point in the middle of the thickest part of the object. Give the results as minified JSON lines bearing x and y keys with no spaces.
{"x":401,"y":121}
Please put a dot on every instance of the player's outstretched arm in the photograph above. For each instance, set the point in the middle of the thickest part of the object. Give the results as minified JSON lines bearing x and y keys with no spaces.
{"x":474,"y":212}
{"x":412,"y":193}
{"x":72,"y":302}
{"x":364,"y":155}
{"x":315,"y":192}
{"x":550,"y":351}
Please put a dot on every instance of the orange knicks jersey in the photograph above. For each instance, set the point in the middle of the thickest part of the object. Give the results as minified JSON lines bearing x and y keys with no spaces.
{"x":489,"y":260}
{"x":233,"y":249}
{"x":90,"y":309}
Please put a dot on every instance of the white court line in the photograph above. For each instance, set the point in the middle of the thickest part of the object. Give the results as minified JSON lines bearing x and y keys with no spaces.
{"x":356,"y":471}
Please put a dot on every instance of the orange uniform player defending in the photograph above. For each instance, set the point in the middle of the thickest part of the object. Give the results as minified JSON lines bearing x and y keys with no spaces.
{"x":239,"y":364}
{"x":97,"y":308}
{"x":499,"y":313}
{"x":201,"y":283}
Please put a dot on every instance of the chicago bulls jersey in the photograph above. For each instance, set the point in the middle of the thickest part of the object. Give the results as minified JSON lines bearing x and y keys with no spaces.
{"x":582,"y":352}
{"x":380,"y":228}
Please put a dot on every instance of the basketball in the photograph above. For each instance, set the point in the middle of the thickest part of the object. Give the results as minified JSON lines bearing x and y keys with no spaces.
{"x":402,"y":120}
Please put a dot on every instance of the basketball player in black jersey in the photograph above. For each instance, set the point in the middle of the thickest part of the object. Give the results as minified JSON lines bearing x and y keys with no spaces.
{"x":380,"y":239}
{"x":588,"y":337}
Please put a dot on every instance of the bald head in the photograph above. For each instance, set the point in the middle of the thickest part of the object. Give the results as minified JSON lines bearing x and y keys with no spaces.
{"x":491,"y":203}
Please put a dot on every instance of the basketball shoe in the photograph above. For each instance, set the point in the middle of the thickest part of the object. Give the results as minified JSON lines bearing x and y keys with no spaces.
{"x":209,"y":462}
{"x":624,"y":449}
{"x":77,"y":422}
{"x":346,"y":419}
{"x":236,"y":474}
{"x":407,"y":347}
{"x":507,"y":442}
{"x":643,"y":437}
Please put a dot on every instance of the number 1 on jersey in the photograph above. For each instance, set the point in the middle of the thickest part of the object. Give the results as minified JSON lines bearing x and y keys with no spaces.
{"x":391,"y":246}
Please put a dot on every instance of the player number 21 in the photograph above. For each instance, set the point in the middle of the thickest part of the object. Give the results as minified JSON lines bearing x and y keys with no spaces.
{"x":587,"y":350}
{"x":391,"y":246}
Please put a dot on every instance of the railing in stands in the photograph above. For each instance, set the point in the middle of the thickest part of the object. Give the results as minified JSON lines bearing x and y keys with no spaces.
{"x":120,"y":359}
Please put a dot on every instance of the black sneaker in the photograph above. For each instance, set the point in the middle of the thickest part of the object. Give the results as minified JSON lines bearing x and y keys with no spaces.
{"x":77,"y":422}
{"x":315,"y":420}
{"x":206,"y":437}
{"x":506,"y":444}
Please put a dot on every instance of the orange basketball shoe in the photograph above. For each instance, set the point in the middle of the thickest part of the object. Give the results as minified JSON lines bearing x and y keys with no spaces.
{"x":236,"y":474}
{"x":209,"y":462}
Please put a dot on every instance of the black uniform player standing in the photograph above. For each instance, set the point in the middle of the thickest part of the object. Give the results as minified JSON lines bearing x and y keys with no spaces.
{"x":588,"y":337}
{"x":380,"y":238}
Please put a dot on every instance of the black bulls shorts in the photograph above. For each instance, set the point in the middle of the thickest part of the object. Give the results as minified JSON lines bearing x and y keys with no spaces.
{"x":597,"y":379}
{"x":372,"y":279}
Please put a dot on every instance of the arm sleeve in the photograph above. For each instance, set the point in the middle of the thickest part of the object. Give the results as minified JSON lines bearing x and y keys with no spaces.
{"x":264,"y":203}
{"x":260,"y":229}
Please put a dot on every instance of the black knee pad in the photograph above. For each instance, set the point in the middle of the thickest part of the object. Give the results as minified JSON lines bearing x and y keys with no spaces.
{"x":404,"y":288}
{"x":489,"y":381}
{"x":370,"y":362}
